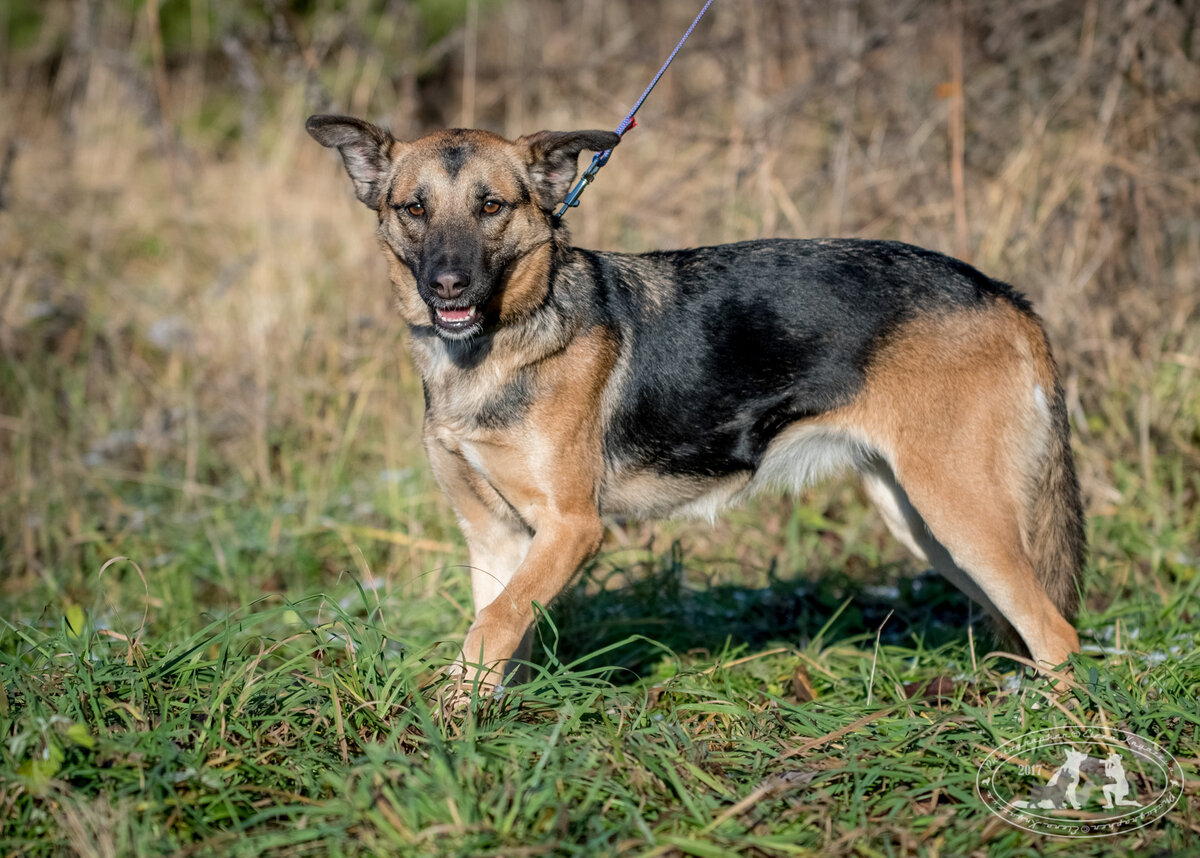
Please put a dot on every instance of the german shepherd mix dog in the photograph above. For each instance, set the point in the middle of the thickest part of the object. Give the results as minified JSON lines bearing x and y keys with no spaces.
{"x":564,"y":384}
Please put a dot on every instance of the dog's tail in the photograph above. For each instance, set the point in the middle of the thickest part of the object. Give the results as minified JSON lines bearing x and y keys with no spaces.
{"x":1054,"y":511}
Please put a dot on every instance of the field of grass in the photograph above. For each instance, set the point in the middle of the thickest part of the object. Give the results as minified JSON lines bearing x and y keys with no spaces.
{"x":228,"y":580}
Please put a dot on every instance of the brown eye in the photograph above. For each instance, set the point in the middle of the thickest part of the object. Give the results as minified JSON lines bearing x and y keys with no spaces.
{"x":416,"y":210}
{"x":491,"y":207}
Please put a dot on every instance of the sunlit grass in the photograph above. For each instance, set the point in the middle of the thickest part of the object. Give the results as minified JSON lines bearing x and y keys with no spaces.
{"x":308,"y":724}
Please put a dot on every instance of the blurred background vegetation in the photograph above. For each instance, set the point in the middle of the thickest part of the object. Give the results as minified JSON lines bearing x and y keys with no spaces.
{"x":198,"y":364}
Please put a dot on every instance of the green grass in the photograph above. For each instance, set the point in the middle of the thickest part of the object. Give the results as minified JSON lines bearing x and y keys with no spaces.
{"x":663,"y":718}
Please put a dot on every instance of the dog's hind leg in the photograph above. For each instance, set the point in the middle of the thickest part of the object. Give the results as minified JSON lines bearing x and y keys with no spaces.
{"x":911,"y":531}
{"x":978,"y":479}
{"x":975,"y":540}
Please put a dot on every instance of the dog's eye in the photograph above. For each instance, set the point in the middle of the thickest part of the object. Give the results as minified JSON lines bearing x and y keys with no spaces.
{"x":416,"y":210}
{"x":491,"y":207}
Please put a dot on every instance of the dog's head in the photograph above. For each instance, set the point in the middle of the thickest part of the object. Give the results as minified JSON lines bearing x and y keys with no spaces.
{"x":467,"y":216}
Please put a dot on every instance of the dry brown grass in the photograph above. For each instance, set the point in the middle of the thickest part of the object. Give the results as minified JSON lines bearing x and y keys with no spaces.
{"x":189,"y":294}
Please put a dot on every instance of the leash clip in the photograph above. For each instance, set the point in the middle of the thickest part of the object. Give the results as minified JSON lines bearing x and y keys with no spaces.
{"x":572,"y":199}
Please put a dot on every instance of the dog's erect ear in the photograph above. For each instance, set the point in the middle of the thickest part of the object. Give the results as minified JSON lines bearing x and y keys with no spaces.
{"x":553,"y":158}
{"x":366,"y":151}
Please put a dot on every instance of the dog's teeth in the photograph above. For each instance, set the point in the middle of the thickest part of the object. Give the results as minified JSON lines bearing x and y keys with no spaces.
{"x":457,"y":316}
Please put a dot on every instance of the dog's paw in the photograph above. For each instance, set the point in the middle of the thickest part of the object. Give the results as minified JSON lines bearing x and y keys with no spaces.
{"x":463,"y":691}
{"x":451,"y":700}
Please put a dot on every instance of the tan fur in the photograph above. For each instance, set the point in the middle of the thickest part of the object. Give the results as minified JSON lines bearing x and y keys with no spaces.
{"x":513,"y":484}
{"x":646,"y":494}
{"x":968,"y":465}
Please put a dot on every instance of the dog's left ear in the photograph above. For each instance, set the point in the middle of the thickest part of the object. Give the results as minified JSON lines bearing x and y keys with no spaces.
{"x":366,"y":151}
{"x":553,"y":158}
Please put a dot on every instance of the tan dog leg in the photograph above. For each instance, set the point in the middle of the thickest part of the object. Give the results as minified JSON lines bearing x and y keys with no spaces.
{"x":559,"y":548}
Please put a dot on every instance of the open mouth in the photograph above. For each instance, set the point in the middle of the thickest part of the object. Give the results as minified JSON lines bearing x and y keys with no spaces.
{"x":456,"y":320}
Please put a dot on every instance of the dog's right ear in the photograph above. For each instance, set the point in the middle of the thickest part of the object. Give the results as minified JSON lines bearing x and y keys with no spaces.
{"x":366,"y":151}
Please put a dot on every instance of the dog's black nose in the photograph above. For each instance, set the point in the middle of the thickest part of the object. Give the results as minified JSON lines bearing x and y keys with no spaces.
{"x":450,"y":284}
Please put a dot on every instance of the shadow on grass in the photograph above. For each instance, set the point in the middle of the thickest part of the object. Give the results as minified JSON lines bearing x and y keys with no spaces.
{"x":654,"y":599}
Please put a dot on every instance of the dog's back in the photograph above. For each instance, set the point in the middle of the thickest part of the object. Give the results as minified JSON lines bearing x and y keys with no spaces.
{"x":726,"y":346}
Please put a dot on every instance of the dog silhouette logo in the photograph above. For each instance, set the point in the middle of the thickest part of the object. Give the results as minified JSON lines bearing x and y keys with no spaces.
{"x":1062,"y":787}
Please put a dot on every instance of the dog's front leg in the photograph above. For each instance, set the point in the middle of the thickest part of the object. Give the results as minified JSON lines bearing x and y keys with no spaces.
{"x":562,"y":543}
{"x":497,"y":539}
{"x":545,"y":474}
{"x":498,"y":545}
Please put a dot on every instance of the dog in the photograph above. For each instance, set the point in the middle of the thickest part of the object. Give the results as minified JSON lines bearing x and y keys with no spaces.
{"x":563,"y":384}
{"x":1063,"y":786}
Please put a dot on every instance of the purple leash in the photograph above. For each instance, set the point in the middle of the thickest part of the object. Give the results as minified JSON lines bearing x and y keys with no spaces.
{"x":601,"y":158}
